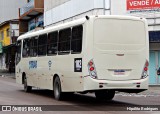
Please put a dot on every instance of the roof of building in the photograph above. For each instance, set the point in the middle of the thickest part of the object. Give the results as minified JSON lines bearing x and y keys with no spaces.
{"x":9,"y":21}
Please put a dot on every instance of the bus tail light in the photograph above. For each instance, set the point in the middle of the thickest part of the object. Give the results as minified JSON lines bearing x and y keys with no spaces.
{"x":91,"y":69}
{"x":145,"y":70}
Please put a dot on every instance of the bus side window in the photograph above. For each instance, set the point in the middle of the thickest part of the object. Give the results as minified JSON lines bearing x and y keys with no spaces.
{"x":26,"y":47}
{"x":33,"y":46}
{"x":52,"y":43}
{"x":64,"y":41}
{"x":76,"y":41}
{"x":18,"y":52}
{"x":42,"y":47}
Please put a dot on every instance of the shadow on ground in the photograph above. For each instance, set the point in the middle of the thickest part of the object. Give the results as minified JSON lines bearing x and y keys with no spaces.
{"x":85,"y":102}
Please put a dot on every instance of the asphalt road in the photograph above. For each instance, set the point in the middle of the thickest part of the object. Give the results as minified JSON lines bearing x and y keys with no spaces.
{"x":13,"y":94}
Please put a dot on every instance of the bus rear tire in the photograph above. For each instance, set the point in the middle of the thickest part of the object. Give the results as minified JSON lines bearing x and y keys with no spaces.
{"x":57,"y":89}
{"x":26,"y":87}
{"x":105,"y":95}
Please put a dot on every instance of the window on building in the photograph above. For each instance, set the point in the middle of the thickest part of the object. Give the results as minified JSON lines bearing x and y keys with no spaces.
{"x":8,"y":33}
{"x":42,"y":45}
{"x":64,"y":41}
{"x":33,"y":46}
{"x":26,"y":47}
{"x":52,"y":43}
{"x":76,"y":41}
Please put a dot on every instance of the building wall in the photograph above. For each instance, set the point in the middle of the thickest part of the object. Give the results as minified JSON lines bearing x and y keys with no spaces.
{"x":74,"y":9}
{"x":119,"y":7}
{"x":49,"y":4}
{"x":57,"y":11}
{"x":7,"y":51}
{"x":9,"y":9}
{"x":6,"y":38}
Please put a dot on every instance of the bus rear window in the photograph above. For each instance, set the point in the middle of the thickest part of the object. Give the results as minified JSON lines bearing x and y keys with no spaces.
{"x":119,"y":31}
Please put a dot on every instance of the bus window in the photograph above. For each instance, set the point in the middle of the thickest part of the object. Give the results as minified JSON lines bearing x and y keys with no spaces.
{"x":33,"y":46}
{"x":42,"y":48}
{"x":76,"y":41}
{"x":64,"y":41}
{"x":52,"y":43}
{"x":18,"y":54}
{"x":26,"y":48}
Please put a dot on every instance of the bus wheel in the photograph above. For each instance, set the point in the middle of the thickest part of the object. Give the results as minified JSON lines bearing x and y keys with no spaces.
{"x":105,"y":94}
{"x":26,"y":87}
{"x":57,"y":89}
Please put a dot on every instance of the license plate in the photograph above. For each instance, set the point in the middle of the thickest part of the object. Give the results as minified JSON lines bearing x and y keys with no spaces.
{"x":119,"y":72}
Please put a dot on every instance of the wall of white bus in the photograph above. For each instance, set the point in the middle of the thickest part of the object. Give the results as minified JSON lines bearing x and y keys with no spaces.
{"x":80,"y":86}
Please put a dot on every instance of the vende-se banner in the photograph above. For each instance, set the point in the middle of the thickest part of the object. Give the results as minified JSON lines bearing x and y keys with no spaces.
{"x":143,"y":4}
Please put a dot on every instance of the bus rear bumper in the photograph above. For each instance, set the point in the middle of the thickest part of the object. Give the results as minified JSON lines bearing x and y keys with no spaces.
{"x":133,"y":86}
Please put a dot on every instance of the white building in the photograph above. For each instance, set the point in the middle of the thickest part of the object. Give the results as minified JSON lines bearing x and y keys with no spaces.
{"x":61,"y":11}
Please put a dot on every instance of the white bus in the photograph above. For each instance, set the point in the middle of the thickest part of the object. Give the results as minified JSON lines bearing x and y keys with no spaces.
{"x":100,"y":54}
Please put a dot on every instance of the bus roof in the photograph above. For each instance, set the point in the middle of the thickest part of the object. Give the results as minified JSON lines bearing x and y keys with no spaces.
{"x":74,"y":23}
{"x":52,"y":28}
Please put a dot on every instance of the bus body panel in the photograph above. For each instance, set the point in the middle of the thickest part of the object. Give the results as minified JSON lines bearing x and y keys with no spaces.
{"x":93,"y":85}
{"x":43,"y":75}
{"x":107,"y":65}
{"x":120,"y":48}
{"x":18,"y":75}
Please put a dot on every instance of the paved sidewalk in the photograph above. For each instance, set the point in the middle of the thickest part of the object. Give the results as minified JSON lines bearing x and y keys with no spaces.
{"x":5,"y":73}
{"x":151,"y":92}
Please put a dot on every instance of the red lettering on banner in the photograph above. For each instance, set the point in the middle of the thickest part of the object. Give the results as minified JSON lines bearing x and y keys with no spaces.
{"x":142,"y":4}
